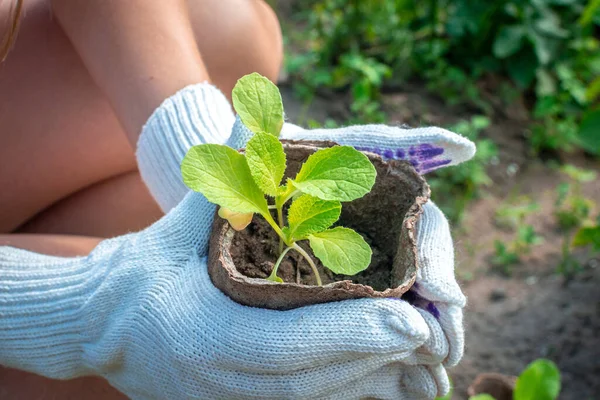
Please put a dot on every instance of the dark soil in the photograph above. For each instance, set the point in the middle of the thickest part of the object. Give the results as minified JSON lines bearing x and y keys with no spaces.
{"x":255,"y":252}
{"x":379,"y":217}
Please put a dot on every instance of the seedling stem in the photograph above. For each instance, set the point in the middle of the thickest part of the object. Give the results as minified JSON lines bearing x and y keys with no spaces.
{"x":310,"y":262}
{"x":273,"y":277}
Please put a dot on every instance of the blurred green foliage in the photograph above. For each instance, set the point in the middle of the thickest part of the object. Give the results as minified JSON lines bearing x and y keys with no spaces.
{"x":546,"y":51}
{"x":511,"y":216}
{"x":572,"y":211}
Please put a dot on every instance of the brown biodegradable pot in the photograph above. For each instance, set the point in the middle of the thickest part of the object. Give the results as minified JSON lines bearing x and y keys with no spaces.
{"x":386,"y":217}
{"x":499,"y":386}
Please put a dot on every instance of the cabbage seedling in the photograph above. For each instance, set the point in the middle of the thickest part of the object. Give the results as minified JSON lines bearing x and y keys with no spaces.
{"x":251,"y":183}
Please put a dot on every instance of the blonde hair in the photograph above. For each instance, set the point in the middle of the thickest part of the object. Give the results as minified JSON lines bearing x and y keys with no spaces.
{"x":14,"y":17}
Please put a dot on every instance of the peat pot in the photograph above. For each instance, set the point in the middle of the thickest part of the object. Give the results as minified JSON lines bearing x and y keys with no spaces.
{"x":499,"y":386}
{"x":386,"y":217}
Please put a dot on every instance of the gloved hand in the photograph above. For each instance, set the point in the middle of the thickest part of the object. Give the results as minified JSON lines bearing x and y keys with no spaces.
{"x":201,"y":114}
{"x":141,"y":311}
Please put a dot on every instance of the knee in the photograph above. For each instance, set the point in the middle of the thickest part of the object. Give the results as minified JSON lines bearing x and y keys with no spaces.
{"x":236,"y":38}
{"x":272,"y":47}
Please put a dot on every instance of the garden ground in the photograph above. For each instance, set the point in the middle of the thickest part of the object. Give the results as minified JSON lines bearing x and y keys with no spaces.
{"x":529,"y":311}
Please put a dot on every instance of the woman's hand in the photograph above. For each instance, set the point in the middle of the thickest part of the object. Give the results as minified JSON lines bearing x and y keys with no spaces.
{"x":141,"y":311}
{"x":436,"y":295}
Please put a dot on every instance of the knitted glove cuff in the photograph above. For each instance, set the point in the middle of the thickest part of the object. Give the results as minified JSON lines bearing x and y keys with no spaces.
{"x":195,"y":115}
{"x":42,"y":317}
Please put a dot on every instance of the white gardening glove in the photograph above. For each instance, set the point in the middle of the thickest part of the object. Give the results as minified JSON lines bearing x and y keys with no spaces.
{"x":436,"y":289}
{"x":141,"y":311}
{"x":184,"y":120}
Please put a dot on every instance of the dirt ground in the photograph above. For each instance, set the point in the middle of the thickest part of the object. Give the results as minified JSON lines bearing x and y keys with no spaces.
{"x":532,"y":313}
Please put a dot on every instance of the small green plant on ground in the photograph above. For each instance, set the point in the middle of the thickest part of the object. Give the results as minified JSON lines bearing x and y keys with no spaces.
{"x":572,"y":208}
{"x":509,"y":254}
{"x":454,"y":188}
{"x":249,"y":184}
{"x":539,"y":381}
{"x":572,"y":212}
{"x":512,"y":216}
{"x":588,"y":236}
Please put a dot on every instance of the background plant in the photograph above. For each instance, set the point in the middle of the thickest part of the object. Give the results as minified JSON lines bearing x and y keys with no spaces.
{"x":533,"y":62}
{"x":573,"y":214}
{"x":539,"y":381}
{"x":513,"y":217}
{"x":543,"y":51}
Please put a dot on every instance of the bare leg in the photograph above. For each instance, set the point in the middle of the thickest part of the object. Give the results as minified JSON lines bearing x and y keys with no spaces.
{"x":60,"y":138}
{"x":110,"y":208}
{"x":58,"y":133}
{"x":54,"y":245}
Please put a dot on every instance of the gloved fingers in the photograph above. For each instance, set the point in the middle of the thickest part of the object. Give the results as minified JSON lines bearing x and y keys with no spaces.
{"x":322,"y":382}
{"x":384,"y":384}
{"x":436,"y":281}
{"x":187,"y":226}
{"x":444,"y":316}
{"x":436,"y":289}
{"x":195,"y":115}
{"x":271,"y":341}
{"x":396,"y":381}
{"x":427,"y":149}
{"x":442,"y":380}
{"x":451,"y":321}
{"x":435,"y":350}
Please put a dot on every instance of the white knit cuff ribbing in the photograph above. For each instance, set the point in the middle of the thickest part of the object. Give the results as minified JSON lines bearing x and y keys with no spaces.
{"x":195,"y":115}
{"x":42,"y":302}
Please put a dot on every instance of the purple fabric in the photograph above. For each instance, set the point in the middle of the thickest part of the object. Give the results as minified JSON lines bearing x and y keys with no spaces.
{"x":433,"y":310}
{"x":424,"y":157}
{"x":431,"y":165}
{"x":416,"y":300}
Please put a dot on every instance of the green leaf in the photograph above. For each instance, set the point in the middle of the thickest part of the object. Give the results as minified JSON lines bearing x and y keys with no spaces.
{"x":545,"y":47}
{"x":266,"y":159}
{"x":587,"y":16}
{"x":522,"y":67}
{"x":589,"y":132}
{"x":546,"y":84}
{"x":222,"y":175}
{"x":310,"y":214}
{"x":508,"y":41}
{"x":539,"y":381}
{"x":593,"y":90}
{"x":550,"y":26}
{"x":588,"y":235}
{"x":338,"y":173}
{"x":258,"y":103}
{"x":341,"y":250}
